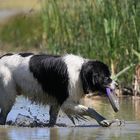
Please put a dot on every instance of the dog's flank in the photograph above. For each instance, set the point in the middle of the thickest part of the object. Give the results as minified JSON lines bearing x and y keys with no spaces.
{"x":51,"y":74}
{"x":59,"y":81}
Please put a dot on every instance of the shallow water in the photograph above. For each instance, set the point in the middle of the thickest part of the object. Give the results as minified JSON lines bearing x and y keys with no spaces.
{"x":129,"y":111}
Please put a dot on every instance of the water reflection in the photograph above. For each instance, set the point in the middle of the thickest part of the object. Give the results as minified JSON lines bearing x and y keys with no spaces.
{"x":89,"y":131}
{"x":129,"y":108}
{"x":131,"y":131}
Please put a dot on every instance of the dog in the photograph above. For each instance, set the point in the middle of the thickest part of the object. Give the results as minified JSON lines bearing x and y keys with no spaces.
{"x":59,"y":81}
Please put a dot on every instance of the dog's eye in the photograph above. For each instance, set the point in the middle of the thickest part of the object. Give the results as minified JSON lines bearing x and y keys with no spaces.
{"x":107,"y":80}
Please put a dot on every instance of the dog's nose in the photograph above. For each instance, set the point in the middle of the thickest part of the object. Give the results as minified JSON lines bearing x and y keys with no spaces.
{"x":112,"y":85}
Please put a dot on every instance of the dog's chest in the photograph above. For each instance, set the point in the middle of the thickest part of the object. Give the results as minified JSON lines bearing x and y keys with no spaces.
{"x":74,"y":64}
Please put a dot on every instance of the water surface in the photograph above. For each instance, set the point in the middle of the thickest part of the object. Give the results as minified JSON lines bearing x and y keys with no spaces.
{"x":129,"y":111}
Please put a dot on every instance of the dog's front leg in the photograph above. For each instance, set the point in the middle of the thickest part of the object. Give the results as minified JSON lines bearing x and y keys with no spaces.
{"x":73,"y":109}
{"x":98,"y":117}
{"x":54,"y":110}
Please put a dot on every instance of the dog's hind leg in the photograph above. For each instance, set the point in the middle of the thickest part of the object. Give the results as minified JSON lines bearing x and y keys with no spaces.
{"x":6,"y":104}
{"x":7,"y":93}
{"x":4,"y":112}
{"x":54,"y":110}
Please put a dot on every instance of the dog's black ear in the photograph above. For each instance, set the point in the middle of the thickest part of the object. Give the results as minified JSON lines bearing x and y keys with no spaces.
{"x":86,"y":78}
{"x":84,"y":82}
{"x":95,"y":78}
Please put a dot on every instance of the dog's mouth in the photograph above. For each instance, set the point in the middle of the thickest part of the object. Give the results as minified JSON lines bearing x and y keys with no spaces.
{"x":114,"y":101}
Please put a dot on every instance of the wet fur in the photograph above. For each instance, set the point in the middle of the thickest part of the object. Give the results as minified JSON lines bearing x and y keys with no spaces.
{"x":59,"y":81}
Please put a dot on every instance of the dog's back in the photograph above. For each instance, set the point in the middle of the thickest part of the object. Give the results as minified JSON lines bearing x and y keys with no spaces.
{"x":35,"y":76}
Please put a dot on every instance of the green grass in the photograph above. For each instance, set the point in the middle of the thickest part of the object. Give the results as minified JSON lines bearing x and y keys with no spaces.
{"x":22,"y":34}
{"x":104,"y":29}
{"x":137,"y":54}
{"x":107,"y":30}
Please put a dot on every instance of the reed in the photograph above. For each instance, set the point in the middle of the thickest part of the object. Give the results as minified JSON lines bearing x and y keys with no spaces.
{"x":107,"y":30}
{"x":104,"y":29}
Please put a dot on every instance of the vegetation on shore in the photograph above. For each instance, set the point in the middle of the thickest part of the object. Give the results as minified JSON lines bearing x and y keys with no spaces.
{"x":107,"y":30}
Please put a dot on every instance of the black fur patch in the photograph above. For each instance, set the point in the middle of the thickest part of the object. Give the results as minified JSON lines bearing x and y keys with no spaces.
{"x":25,"y":54}
{"x":95,"y":75}
{"x":51,"y":73}
{"x":8,"y":54}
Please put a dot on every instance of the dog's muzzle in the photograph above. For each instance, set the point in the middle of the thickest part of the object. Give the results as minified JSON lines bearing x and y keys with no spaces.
{"x":114,"y":101}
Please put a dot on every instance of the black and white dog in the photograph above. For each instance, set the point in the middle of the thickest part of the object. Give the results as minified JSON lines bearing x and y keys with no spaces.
{"x":59,"y":81}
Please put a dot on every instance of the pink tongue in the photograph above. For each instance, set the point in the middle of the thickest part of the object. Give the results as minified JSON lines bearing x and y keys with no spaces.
{"x":113,"y":99}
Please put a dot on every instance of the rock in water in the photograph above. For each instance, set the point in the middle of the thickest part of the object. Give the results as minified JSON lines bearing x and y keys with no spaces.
{"x":27,"y":121}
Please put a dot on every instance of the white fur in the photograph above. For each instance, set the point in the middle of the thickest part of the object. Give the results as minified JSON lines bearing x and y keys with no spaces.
{"x":16,"y":78}
{"x":7,"y":90}
{"x":17,"y":68}
{"x":74,"y":64}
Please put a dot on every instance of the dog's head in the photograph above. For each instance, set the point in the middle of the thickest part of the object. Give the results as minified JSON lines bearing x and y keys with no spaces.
{"x":96,"y":76}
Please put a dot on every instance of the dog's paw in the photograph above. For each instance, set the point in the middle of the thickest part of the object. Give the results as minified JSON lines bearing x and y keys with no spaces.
{"x":118,"y":122}
{"x":105,"y":123}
